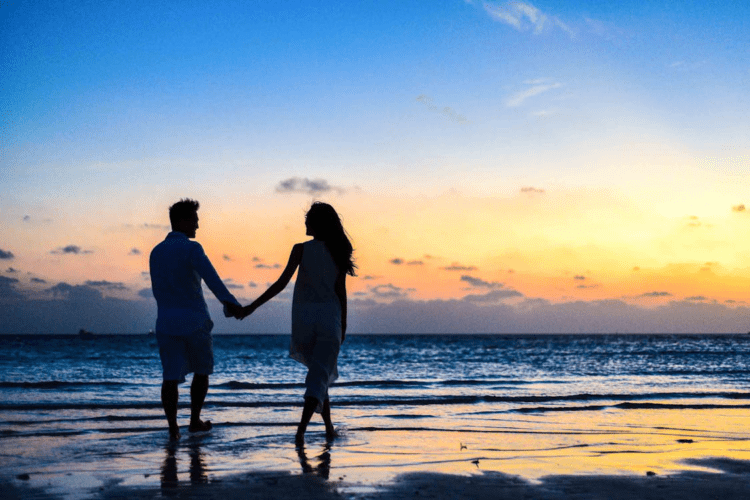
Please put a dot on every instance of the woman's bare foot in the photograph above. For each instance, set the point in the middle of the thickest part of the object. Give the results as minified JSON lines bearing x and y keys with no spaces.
{"x":200,"y":426}
{"x":331,"y":433}
{"x":299,"y":438}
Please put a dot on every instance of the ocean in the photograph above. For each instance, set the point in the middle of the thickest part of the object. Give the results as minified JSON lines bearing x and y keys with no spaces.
{"x":75,"y":406}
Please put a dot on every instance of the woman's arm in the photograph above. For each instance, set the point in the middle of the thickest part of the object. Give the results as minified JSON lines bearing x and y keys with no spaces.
{"x":340,"y":288}
{"x":294,"y":259}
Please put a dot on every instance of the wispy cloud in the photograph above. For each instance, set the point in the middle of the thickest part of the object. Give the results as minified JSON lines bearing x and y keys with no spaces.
{"x":107,"y":285}
{"x":532,"y":190}
{"x":523,"y":16}
{"x":533,"y":88}
{"x":226,"y":258}
{"x":307,"y":186}
{"x":134,"y":251}
{"x":656,"y":294}
{"x":38,"y":280}
{"x":6,"y":255}
{"x":455,"y":266}
{"x":445,"y":111}
{"x":390,"y":291}
{"x":493,"y":296}
{"x":11,"y":270}
{"x":415,"y":263}
{"x":738,"y":208}
{"x":71,"y":249}
{"x":396,"y":261}
{"x":480,"y":283}
{"x":267,"y":266}
{"x":230,"y":284}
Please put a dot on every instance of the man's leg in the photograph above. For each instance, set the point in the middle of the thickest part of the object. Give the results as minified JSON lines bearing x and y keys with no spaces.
{"x":169,"y":396}
{"x":198,"y":391}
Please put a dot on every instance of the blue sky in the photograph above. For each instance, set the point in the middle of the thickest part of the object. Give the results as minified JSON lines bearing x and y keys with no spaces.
{"x":528,"y":135}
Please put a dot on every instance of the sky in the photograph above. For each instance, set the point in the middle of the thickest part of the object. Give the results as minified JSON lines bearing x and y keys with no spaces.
{"x":501,"y":167}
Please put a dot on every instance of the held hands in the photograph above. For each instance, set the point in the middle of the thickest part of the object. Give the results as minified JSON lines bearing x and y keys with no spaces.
{"x":233,"y":310}
{"x":246,"y":311}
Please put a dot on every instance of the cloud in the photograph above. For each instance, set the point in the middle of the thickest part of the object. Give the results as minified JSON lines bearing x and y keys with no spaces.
{"x":38,"y":280}
{"x":307,"y":186}
{"x":252,"y":284}
{"x":231,"y":285}
{"x":587,"y":286}
{"x":75,"y":292}
{"x":396,"y":262}
{"x":579,"y":277}
{"x":446,"y":112}
{"x":493,"y":296}
{"x":455,"y":266}
{"x":26,"y":218}
{"x":697,"y":298}
{"x":161,"y":227}
{"x":738,"y":208}
{"x":636,"y":268}
{"x":535,"y":87}
{"x":523,"y":16}
{"x":532,"y":190}
{"x":267,"y":266}
{"x":6,"y":255}
{"x":256,"y":259}
{"x":480,"y":283}
{"x":134,"y":251}
{"x":226,"y":257}
{"x":415,"y":263}
{"x":71,"y":249}
{"x":106,"y":285}
{"x":146,"y":293}
{"x":370,"y":277}
{"x":11,"y":270}
{"x":8,"y":288}
{"x":655,"y":294}
{"x":389,"y":291}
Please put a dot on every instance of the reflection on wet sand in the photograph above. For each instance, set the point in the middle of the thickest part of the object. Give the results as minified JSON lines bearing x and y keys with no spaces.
{"x":169,"y":471}
{"x":323,"y":468}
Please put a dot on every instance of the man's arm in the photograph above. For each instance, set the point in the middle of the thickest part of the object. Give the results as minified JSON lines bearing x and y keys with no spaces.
{"x":206,"y":270}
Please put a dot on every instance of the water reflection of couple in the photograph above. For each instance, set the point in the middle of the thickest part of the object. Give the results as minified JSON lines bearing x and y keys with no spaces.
{"x":183,"y":325}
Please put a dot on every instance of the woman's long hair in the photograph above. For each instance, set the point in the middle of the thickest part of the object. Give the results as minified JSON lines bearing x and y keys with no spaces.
{"x":325,"y":225}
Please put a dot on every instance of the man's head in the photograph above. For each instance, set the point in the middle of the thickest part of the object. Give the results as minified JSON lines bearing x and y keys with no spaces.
{"x":183,"y":216}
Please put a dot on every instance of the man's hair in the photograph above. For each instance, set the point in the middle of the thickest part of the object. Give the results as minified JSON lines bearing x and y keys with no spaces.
{"x":182,"y":210}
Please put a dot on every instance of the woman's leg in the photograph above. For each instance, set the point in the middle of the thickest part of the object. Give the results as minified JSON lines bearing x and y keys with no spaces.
{"x":326,"y":414}
{"x":307,"y":412}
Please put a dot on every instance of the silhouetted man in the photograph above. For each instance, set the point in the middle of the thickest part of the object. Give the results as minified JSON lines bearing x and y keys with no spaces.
{"x":183,"y":325}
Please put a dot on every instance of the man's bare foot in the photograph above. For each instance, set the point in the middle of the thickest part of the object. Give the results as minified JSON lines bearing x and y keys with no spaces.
{"x":299,"y":438}
{"x":200,"y":426}
{"x":174,"y":434}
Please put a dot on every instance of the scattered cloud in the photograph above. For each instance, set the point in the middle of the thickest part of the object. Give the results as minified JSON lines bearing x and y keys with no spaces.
{"x":697,"y":298}
{"x":38,"y":280}
{"x":532,"y":190}
{"x":6,"y":255}
{"x":396,"y":262}
{"x":579,"y":277}
{"x":307,"y":186}
{"x":257,"y":259}
{"x":267,"y":266}
{"x":107,"y":285}
{"x":389,"y":291}
{"x":655,"y":294}
{"x":415,"y":263}
{"x":533,"y":88}
{"x":738,"y":208}
{"x":480,"y":283}
{"x":636,"y":268}
{"x":252,"y":284}
{"x":231,"y":285}
{"x":134,"y":251}
{"x":71,"y":249}
{"x":26,"y":218}
{"x":447,"y":112}
{"x":493,"y":296}
{"x":523,"y":16}
{"x":226,"y":257}
{"x":583,"y":287}
{"x":11,"y":270}
{"x":370,"y":277}
{"x":455,"y":266}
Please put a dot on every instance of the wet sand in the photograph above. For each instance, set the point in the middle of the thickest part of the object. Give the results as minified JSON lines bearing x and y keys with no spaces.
{"x":610,"y":454}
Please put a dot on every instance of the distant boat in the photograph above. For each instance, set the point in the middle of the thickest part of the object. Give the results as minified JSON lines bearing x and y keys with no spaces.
{"x":85,"y":334}
{"x":151,"y":332}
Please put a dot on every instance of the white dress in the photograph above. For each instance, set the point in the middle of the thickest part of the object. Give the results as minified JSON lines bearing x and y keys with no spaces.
{"x":316,"y":319}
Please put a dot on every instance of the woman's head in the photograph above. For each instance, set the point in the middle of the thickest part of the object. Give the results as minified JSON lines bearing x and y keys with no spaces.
{"x":323,"y":223}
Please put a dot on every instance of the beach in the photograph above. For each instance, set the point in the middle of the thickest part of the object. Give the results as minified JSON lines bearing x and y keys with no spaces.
{"x":423,"y":417}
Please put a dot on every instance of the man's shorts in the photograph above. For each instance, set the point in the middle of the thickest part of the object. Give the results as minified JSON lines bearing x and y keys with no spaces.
{"x":181,"y":355}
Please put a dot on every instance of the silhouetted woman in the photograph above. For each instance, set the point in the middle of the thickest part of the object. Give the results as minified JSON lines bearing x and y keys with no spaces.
{"x":318,"y":307}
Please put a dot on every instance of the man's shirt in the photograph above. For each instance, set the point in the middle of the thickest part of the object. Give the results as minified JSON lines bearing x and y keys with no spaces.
{"x":177,"y":266}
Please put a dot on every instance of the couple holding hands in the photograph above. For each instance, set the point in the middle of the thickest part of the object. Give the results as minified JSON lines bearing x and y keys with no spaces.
{"x":183,"y":325}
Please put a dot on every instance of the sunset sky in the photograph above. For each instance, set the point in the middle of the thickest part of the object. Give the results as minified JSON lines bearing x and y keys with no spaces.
{"x":576,"y":166}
